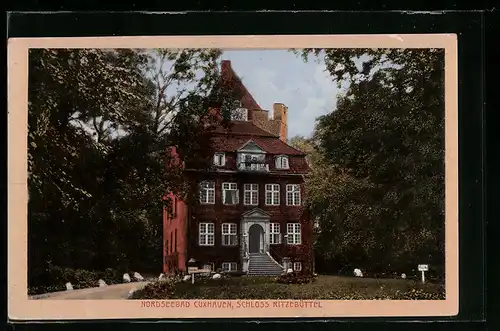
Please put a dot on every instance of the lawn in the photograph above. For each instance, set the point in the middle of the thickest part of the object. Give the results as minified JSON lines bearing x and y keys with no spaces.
{"x":324,"y":287}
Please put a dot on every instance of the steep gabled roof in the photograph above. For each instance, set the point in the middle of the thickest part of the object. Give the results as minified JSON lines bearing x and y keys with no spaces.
{"x":231,"y":138}
{"x":256,"y":212}
{"x":230,"y":79}
{"x":243,"y":128}
{"x":271,"y":145}
{"x":250,"y":143}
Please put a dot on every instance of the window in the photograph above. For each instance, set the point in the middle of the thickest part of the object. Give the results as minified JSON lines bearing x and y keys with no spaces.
{"x":229,"y":237}
{"x":297,"y":266}
{"x":282,"y":162}
{"x":171,"y":242}
{"x":230,"y":193}
{"x":272,"y":194}
{"x":274,"y":234}
{"x":293,"y":195}
{"x":207,"y":192}
{"x":239,"y":114}
{"x":251,"y":194}
{"x":293,"y":232}
{"x":219,"y":159}
{"x":206,"y":234}
{"x":229,"y":266}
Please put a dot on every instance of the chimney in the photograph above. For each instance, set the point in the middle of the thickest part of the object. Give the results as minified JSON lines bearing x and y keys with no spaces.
{"x":280,"y":118}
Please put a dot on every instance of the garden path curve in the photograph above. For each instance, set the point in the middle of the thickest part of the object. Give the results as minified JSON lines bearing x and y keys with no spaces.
{"x":110,"y":292}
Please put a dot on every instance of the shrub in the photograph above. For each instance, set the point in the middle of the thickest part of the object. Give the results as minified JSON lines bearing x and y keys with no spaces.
{"x":293,"y":278}
{"x":235,"y":273}
{"x":158,"y":290}
{"x":111,"y":276}
{"x":84,"y":278}
{"x":54,"y":279}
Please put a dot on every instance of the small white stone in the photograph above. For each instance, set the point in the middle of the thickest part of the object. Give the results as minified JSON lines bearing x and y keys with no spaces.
{"x":216,"y":276}
{"x":138,"y":276}
{"x":102,"y":283}
{"x":403,"y":276}
{"x":69,"y":287}
{"x":358,"y":273}
{"x":126,"y":278}
{"x":186,"y":278}
{"x":161,"y":277}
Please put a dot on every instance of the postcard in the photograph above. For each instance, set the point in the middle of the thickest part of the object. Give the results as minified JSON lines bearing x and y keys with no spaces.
{"x":232,"y":177}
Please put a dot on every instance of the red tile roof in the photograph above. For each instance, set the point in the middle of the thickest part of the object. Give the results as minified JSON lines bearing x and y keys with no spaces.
{"x":270,"y":144}
{"x":239,"y":132}
{"x":244,"y":128}
{"x":231,"y":80}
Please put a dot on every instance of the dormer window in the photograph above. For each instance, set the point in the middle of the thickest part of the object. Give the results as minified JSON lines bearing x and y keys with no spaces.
{"x":219,"y":159}
{"x":238,"y":113}
{"x":282,"y":162}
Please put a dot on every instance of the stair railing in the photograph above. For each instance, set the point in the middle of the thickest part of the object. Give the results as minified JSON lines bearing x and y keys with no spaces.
{"x":278,"y":255}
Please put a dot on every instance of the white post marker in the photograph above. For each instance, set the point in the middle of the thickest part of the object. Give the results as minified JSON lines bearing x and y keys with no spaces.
{"x":423,"y":268}
{"x":194,"y":270}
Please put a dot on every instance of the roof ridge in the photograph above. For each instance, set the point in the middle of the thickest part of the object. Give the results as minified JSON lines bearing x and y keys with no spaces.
{"x":260,"y":132}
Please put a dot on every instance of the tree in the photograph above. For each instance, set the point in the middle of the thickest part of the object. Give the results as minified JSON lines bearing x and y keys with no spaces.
{"x":99,"y":124}
{"x":378,"y":189}
{"x":305,"y":145}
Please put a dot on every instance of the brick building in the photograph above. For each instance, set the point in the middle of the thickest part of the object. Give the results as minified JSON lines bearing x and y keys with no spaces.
{"x":250,"y":216}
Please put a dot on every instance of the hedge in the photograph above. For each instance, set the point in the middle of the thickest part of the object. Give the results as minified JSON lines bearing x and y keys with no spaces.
{"x":54,"y":279}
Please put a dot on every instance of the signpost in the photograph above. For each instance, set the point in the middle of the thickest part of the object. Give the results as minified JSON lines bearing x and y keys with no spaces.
{"x":423,"y":268}
{"x":194,"y":270}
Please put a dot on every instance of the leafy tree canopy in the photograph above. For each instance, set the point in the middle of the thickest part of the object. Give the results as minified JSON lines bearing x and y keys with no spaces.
{"x":378,"y":183}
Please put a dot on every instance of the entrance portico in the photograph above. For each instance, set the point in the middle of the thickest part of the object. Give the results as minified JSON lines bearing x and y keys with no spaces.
{"x":254,"y":227}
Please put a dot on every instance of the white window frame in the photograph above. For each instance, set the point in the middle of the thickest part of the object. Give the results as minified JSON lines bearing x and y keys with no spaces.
{"x":272,"y":192}
{"x":282,"y":162}
{"x":293,"y":195}
{"x":230,"y":266}
{"x":206,"y":231}
{"x":297,"y":266}
{"x":242,"y":114}
{"x":207,"y":194}
{"x":229,"y":234}
{"x":274,"y":234}
{"x":252,"y":191}
{"x":227,"y":187}
{"x":222,"y":159}
{"x":294,"y":236}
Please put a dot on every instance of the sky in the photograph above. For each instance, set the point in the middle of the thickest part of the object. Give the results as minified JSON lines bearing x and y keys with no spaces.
{"x":281,"y":76}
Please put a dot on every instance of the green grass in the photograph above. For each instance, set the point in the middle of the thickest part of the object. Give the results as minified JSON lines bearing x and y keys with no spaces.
{"x":324,"y":287}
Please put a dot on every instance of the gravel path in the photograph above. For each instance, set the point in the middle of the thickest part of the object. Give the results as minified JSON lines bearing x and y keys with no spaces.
{"x":110,"y":292}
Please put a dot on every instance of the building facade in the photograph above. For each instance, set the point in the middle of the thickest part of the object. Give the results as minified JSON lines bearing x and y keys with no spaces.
{"x":250,"y":216}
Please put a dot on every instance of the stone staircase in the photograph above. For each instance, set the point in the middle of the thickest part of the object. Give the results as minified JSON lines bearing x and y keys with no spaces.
{"x":261,"y":264}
